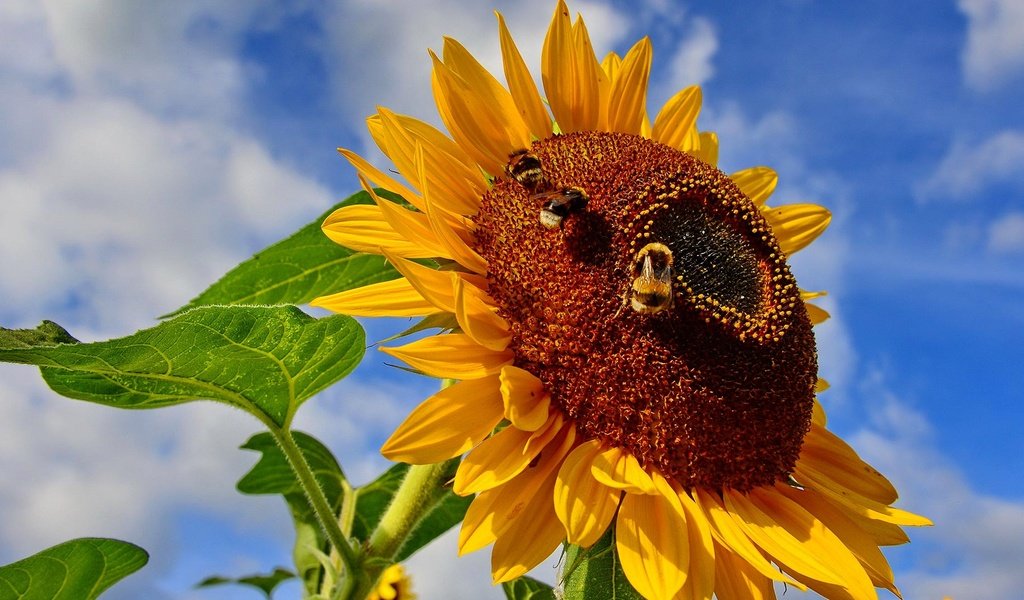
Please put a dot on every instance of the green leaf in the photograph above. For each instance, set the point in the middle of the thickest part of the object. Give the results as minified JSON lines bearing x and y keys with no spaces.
{"x":299,"y":268}
{"x":595,"y":573}
{"x":79,"y":569}
{"x":272,"y":475}
{"x":528,"y":588}
{"x":265,"y":360}
{"x":47,"y":334}
{"x":265,"y":583}
{"x":372,"y":500}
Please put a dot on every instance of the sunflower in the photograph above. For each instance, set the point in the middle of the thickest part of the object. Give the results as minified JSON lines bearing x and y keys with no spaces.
{"x":393,"y":585}
{"x":628,"y":344}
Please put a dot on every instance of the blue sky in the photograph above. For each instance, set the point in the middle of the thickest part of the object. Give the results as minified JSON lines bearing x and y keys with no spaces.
{"x":147,"y":148}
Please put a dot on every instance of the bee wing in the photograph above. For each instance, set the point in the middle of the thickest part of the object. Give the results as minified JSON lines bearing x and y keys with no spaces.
{"x":648,"y":273}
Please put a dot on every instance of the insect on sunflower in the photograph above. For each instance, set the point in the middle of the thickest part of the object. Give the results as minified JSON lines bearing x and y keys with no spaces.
{"x":629,"y":344}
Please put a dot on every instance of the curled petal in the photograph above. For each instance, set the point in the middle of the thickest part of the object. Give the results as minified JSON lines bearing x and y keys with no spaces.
{"x":620,"y":470}
{"x":526,"y":401}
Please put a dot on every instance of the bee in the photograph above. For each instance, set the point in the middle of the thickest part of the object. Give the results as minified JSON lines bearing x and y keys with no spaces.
{"x":651,"y":290}
{"x":524,"y":166}
{"x":558,"y":204}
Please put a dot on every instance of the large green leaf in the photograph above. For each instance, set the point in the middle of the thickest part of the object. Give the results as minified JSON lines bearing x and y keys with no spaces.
{"x":79,"y":569}
{"x":265,"y":360}
{"x":272,"y":475}
{"x":527,"y":588}
{"x":595,"y":573}
{"x":298,"y":268}
{"x":447,"y":509}
{"x":263,"y":582}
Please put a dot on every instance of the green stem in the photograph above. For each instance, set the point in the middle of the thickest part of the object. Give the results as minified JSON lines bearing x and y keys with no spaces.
{"x":414,"y":499}
{"x":317,"y":500}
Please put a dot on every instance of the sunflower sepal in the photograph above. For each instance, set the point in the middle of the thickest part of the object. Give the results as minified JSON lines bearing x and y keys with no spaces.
{"x":595,"y":573}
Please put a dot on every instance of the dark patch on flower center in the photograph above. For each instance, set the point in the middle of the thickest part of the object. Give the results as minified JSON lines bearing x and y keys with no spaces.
{"x":713,"y":391}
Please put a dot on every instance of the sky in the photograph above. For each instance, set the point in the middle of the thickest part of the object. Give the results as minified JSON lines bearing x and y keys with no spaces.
{"x":146,"y":148}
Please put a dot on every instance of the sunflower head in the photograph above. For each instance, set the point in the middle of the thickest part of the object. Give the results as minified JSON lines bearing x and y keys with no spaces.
{"x":630,"y":346}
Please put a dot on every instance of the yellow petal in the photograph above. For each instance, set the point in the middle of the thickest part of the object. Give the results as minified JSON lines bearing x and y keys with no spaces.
{"x":700,"y":580}
{"x":610,"y":65}
{"x":707,"y":147}
{"x":652,"y":545}
{"x":676,"y":123}
{"x":796,"y":539}
{"x":526,"y":401}
{"x":619,"y":469}
{"x":817,"y":412}
{"x":379,"y":178}
{"x":362,"y":228}
{"x":521,"y":85}
{"x":736,"y":579}
{"x":502,"y":456}
{"x":806,"y":295}
{"x":756,"y":183}
{"x":529,"y":539}
{"x":452,"y":356}
{"x":856,"y":539}
{"x":444,"y":173}
{"x":395,"y":298}
{"x":479,"y":319}
{"x":410,"y":224}
{"x":627,"y":101}
{"x":436,"y":287}
{"x":816,"y":314}
{"x":797,"y":225}
{"x":811,"y":477}
{"x":448,"y":237}
{"x":488,"y":92}
{"x":476,"y":127}
{"x":478,"y":528}
{"x":730,"y":535}
{"x":571,"y":77}
{"x":825,"y":452}
{"x":584,"y":506}
{"x":536,"y":479}
{"x":447,"y":424}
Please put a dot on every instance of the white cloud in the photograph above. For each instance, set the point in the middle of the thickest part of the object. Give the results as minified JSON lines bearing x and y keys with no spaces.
{"x":970,"y":168}
{"x":994,"y":51}
{"x":1006,"y":235}
{"x":381,"y":47}
{"x":691,"y":62}
{"x":974,"y":550}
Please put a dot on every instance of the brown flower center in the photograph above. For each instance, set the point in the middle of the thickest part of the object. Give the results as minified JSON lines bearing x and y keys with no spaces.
{"x":713,"y":385}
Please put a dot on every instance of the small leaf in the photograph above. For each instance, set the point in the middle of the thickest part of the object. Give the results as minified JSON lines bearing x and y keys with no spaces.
{"x":595,"y":573}
{"x":298,"y":268}
{"x":272,"y":475}
{"x":372,"y":500}
{"x":528,"y":588}
{"x":79,"y":569}
{"x":47,"y":334}
{"x":264,"y":583}
{"x":265,"y":360}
